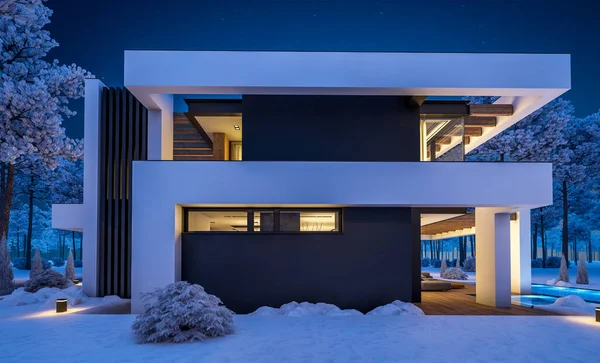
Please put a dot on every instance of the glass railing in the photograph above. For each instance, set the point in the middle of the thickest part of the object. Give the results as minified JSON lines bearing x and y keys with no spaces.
{"x":442,"y":139}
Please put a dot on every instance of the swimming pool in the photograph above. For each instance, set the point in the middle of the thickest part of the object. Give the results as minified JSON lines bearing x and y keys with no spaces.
{"x":592,"y":296}
{"x":532,"y":300}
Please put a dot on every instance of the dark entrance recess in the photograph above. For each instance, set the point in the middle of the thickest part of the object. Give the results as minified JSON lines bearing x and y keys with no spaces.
{"x":123,"y":138}
{"x":371,"y":263}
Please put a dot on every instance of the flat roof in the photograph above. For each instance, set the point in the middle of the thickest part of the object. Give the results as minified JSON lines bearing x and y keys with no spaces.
{"x":527,"y":81}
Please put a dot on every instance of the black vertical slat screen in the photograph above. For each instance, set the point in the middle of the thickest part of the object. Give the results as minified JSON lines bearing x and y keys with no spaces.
{"x":123,"y":135}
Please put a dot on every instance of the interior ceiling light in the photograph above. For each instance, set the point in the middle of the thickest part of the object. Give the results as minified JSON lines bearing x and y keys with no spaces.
{"x":237,"y":127}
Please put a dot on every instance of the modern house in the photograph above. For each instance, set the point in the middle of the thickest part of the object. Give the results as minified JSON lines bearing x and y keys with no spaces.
{"x":269,"y":177}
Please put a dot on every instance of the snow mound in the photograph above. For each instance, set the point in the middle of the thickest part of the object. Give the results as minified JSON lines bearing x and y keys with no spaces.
{"x":46,"y":296}
{"x":397,"y":308}
{"x":305,"y":309}
{"x":572,"y":301}
{"x":553,"y":282}
{"x":562,"y":284}
{"x":112,"y":300}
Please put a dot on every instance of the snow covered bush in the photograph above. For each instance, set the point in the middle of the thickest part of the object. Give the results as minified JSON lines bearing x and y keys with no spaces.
{"x":58,"y":262}
{"x":582,"y":272}
{"x":47,"y":278}
{"x":36,"y":265}
{"x":563,"y":274}
{"x":6,"y":272}
{"x":554,"y":262}
{"x":443,"y":267}
{"x":70,"y":269}
{"x":425,"y":262}
{"x":436,"y":263}
{"x":181,"y":312}
{"x":19,"y":263}
{"x":454,"y":274}
{"x":469,"y":264}
{"x":537,"y":263}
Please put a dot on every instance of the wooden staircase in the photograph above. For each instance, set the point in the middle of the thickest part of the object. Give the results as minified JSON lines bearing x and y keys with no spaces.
{"x":188,"y":144}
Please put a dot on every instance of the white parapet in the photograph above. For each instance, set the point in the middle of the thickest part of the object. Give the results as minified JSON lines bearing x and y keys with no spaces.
{"x":68,"y":216}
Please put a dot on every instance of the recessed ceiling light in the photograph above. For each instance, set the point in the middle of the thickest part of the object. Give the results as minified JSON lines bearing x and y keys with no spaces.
{"x":237,"y":127}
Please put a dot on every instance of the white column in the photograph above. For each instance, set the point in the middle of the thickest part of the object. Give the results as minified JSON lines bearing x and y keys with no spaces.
{"x":91,"y":135}
{"x":492,"y":238}
{"x":520,"y":253}
{"x":160,"y":128}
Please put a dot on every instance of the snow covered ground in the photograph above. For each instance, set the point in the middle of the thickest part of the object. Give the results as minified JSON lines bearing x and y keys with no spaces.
{"x":104,"y":338}
{"x":23,"y":275}
{"x":541,"y":275}
{"x":435,"y":273}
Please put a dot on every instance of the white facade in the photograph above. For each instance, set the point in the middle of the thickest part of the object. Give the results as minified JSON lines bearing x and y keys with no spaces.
{"x":161,"y":189}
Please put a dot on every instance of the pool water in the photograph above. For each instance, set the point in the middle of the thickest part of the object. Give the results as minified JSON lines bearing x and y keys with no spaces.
{"x":532,"y":300}
{"x":592,"y":296}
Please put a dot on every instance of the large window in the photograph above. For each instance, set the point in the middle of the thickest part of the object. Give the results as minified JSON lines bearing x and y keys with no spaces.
{"x":262,"y":220}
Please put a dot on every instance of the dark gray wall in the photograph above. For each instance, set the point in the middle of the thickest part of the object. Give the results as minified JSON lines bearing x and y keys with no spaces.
{"x":330,"y":128}
{"x":370,"y":264}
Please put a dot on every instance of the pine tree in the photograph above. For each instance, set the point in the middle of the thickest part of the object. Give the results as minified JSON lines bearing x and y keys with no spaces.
{"x":582,"y":272}
{"x":70,"y":268}
{"x":563,"y":274}
{"x":36,"y":266}
{"x":6,"y":272}
{"x":443,"y":268}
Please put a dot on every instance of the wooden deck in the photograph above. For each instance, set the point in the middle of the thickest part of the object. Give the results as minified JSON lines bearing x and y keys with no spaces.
{"x":459,"y":302}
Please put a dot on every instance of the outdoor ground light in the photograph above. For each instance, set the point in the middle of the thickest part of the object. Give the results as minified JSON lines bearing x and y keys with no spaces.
{"x":61,"y":305}
{"x":598,"y":314}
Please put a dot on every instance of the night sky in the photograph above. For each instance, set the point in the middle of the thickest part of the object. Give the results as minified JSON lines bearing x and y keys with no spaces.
{"x":94,"y":33}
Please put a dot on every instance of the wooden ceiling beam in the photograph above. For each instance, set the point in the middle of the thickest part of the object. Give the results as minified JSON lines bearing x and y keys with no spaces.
{"x":481,"y":121}
{"x":473,"y":131}
{"x":491,"y":110}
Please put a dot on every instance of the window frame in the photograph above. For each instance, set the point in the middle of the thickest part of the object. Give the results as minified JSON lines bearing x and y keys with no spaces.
{"x":276,"y":219}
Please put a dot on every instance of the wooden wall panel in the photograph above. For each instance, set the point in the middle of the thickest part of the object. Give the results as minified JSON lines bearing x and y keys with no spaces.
{"x":123,"y":135}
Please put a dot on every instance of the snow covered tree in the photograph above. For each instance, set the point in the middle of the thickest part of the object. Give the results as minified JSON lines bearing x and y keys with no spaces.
{"x":70,"y":268}
{"x":563,"y":274}
{"x":36,"y":266}
{"x":457,"y":263}
{"x":469,"y":264}
{"x":582,"y":271}
{"x":181,"y":312}
{"x":34,"y":95}
{"x":444,"y":267}
{"x":6,"y":272}
{"x":578,"y":161}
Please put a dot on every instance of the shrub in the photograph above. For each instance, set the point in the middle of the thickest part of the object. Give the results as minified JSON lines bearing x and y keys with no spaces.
{"x":47,"y":278}
{"x":78,"y":263}
{"x":36,"y":265}
{"x":563,"y":273}
{"x":454,"y":274}
{"x":444,"y":267}
{"x":6,"y":272}
{"x":181,"y":312}
{"x":70,"y":269}
{"x":436,"y":263}
{"x":58,"y":262}
{"x":425,"y":262}
{"x":469,"y":265}
{"x":537,"y":263}
{"x":582,"y":272}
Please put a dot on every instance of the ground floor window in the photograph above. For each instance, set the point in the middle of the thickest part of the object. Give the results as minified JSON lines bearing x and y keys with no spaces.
{"x":262,"y":220}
